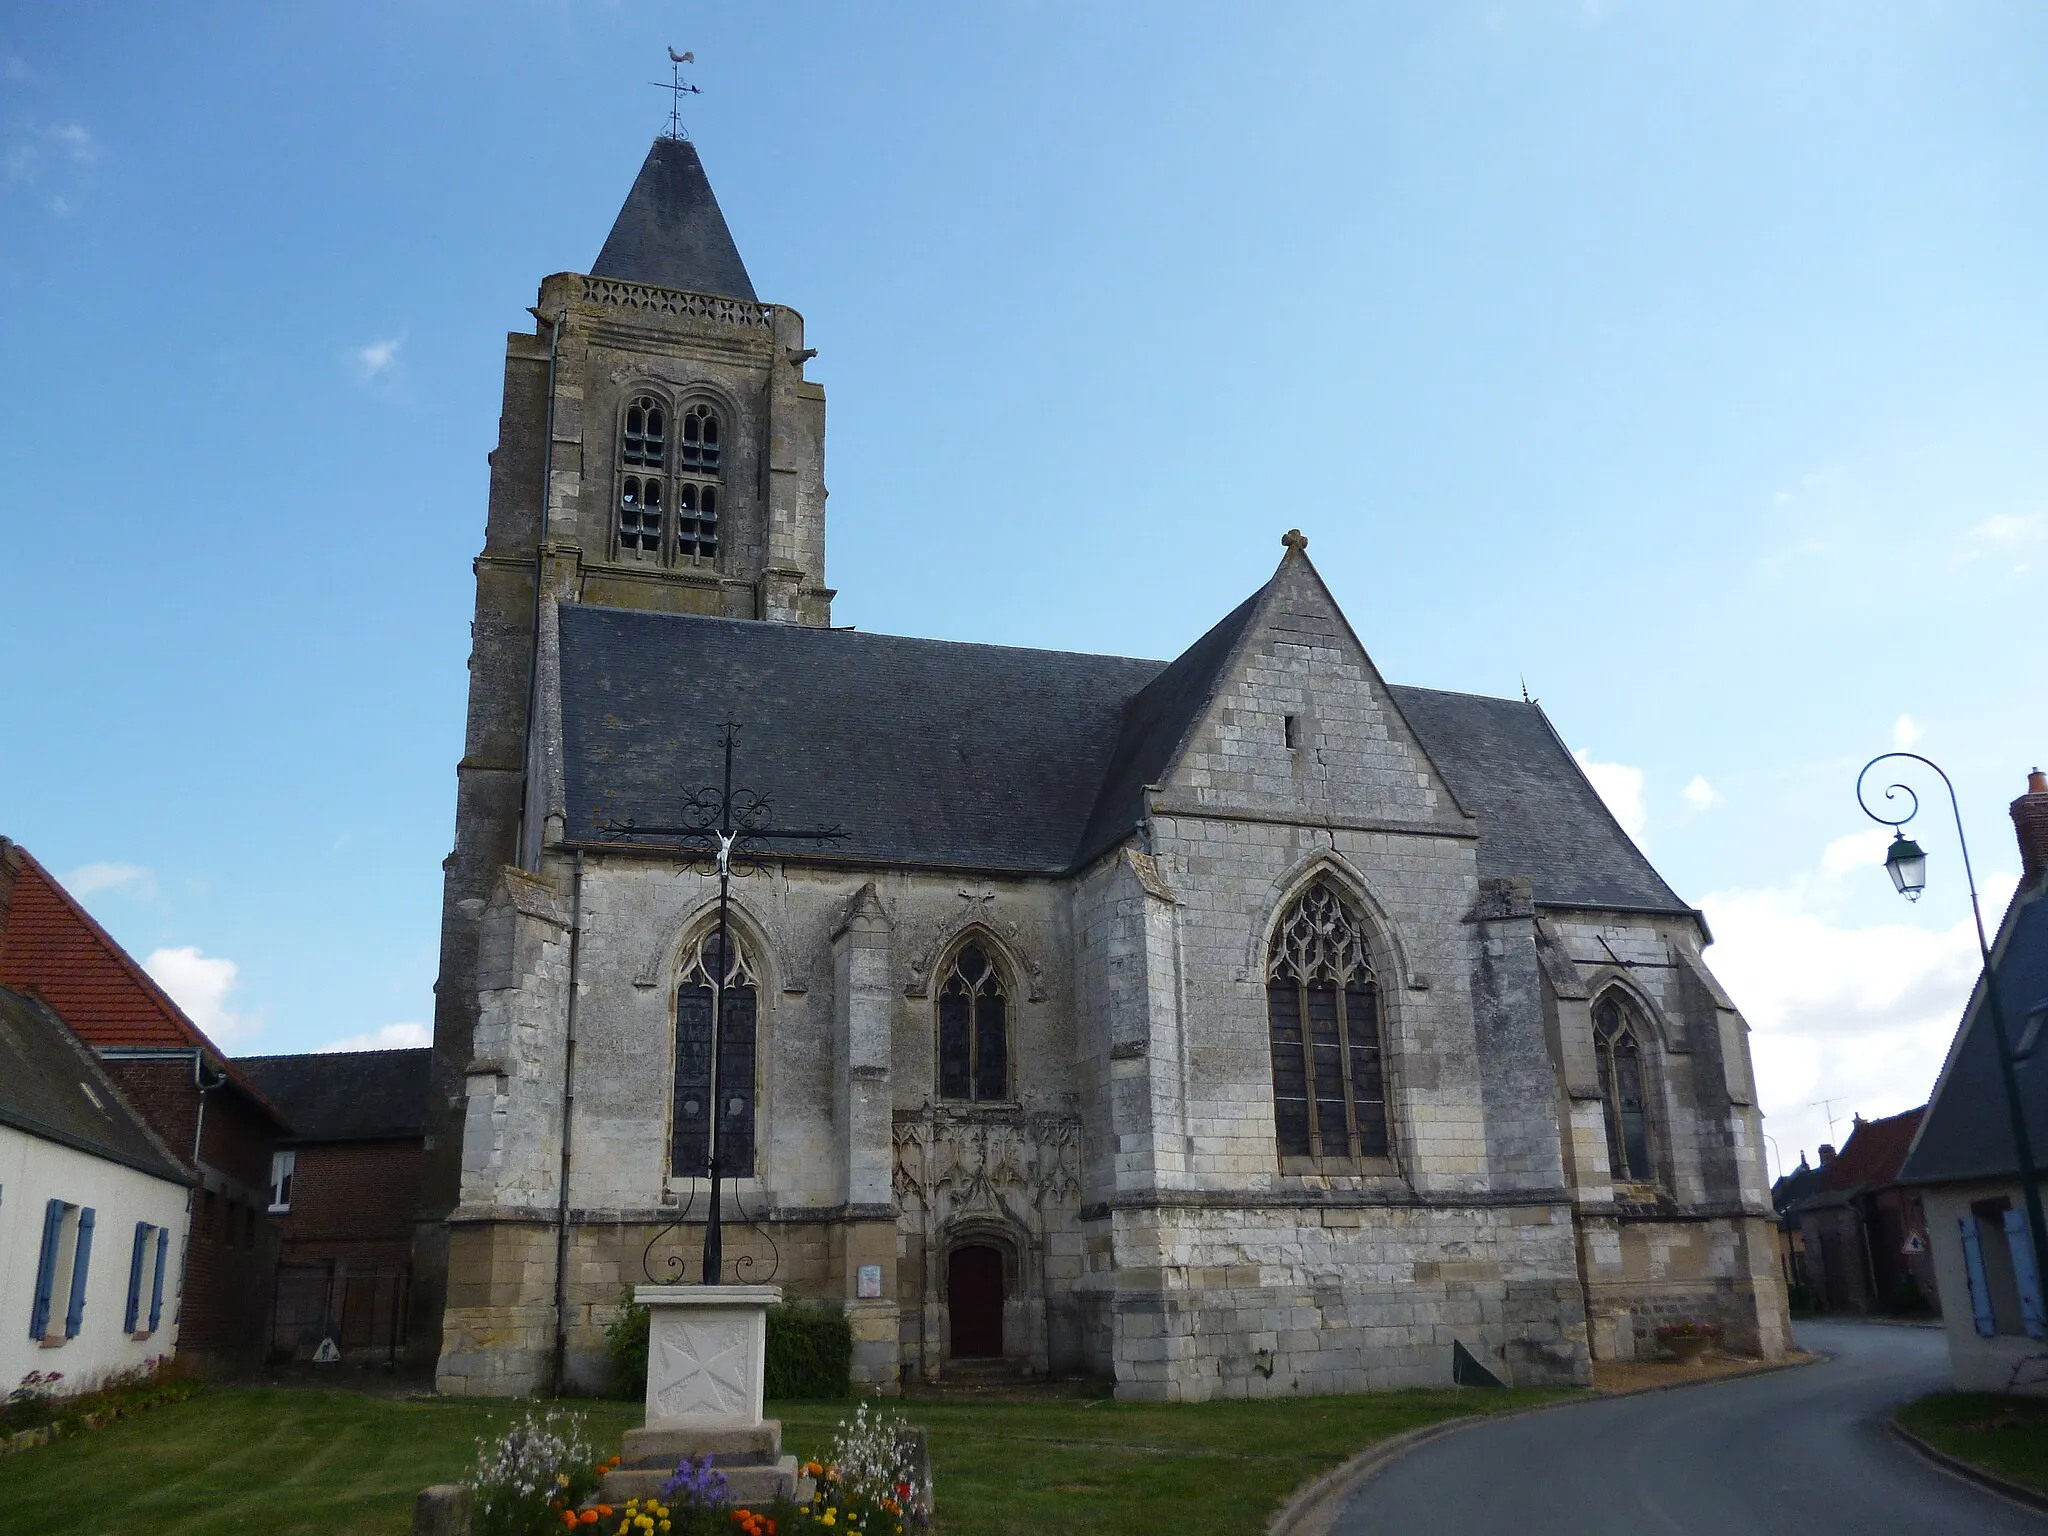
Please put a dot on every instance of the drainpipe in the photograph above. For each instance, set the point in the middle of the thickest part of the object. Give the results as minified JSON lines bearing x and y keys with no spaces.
{"x":561,"y":1362}
{"x":540,"y":550}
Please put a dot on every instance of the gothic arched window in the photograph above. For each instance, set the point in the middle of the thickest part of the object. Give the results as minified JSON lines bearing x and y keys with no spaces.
{"x":696,"y":1006}
{"x":1323,"y":1017}
{"x":1618,"y":1045}
{"x":974,"y":1029}
{"x":698,"y":460}
{"x":643,"y":456}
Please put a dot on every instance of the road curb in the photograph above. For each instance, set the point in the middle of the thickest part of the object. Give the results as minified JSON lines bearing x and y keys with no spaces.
{"x":1311,"y":1507}
{"x":1969,"y":1471}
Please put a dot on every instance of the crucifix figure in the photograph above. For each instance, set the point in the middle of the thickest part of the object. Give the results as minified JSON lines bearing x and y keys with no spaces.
{"x":720,"y":828}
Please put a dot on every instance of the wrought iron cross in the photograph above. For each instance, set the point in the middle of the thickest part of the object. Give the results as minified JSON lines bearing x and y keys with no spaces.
{"x":720,"y":828}
{"x":677,"y":90}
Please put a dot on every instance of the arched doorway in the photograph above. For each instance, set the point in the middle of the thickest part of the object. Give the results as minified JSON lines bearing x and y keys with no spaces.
{"x":974,"y":1296}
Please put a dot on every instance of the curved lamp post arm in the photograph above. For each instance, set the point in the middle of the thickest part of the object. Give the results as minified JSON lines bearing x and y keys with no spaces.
{"x":1912,"y":810}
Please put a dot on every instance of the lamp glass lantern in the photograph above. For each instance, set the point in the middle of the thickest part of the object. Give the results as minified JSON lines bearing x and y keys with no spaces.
{"x":1906,"y":862}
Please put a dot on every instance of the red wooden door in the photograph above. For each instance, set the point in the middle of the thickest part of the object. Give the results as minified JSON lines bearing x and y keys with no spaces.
{"x":974,"y":1286}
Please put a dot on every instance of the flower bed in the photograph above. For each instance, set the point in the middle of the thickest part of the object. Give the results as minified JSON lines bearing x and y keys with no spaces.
{"x":1688,"y":1340}
{"x":540,"y":1479}
{"x":41,"y":1408}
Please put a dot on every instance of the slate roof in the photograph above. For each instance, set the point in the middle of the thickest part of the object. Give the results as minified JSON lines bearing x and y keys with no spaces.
{"x":52,"y":1087}
{"x":670,"y":233}
{"x":992,"y":758}
{"x":55,"y":947}
{"x":346,"y":1095}
{"x":1539,"y":814}
{"x":1794,"y":1189}
{"x":1964,"y":1134}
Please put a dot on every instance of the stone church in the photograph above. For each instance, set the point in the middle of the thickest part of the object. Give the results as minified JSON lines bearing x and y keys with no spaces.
{"x":1236,"y":1025}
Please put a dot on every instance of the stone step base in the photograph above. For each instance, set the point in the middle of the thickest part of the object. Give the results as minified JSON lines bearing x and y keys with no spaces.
{"x":729,"y":1445}
{"x":757,"y":1487}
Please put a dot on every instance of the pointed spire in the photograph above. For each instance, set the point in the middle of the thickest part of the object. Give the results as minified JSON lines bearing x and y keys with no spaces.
{"x":670,"y":233}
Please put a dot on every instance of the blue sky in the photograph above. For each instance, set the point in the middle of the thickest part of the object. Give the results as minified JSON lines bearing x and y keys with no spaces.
{"x":1685,"y":362}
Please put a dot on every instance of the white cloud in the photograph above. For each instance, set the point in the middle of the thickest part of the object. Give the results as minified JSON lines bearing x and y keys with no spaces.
{"x":392,"y":1037}
{"x":201,"y":984}
{"x":377,"y":358}
{"x":2004,"y":528}
{"x":1861,"y":1015}
{"x":1859,"y":850}
{"x":1906,"y":732}
{"x":75,"y":140}
{"x":1701,"y":795}
{"x":1622,"y":788}
{"x":109,"y":875}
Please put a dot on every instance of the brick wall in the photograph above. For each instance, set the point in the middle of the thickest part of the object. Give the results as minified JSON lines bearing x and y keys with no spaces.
{"x":353,"y":1201}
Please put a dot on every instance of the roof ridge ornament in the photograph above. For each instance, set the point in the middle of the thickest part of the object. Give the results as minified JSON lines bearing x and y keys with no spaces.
{"x":1295,"y":540}
{"x":677,"y":89}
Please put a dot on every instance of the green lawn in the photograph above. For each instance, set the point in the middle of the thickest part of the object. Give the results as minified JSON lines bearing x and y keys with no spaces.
{"x":290,"y":1461}
{"x":2003,"y":1435}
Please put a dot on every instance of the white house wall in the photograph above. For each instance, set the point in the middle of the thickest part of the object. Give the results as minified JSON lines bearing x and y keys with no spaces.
{"x":32,"y":1173}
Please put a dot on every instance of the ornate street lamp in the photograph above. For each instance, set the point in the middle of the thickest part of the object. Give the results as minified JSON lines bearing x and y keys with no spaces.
{"x":1907,"y":865}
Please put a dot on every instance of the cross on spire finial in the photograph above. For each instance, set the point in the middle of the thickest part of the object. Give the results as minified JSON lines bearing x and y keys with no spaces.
{"x":677,"y":89}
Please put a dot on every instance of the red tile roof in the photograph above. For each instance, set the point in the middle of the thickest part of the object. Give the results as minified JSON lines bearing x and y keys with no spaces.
{"x":54,"y":948}
{"x":1874,"y":1151}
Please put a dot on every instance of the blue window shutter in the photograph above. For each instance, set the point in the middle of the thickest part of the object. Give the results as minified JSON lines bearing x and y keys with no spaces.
{"x":1973,"y":1270}
{"x":156,"y":1294}
{"x":135,"y":1277}
{"x":46,"y":1270}
{"x":2027,"y":1272}
{"x":75,"y":1313}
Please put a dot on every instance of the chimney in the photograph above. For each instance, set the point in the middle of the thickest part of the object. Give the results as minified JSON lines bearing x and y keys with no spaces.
{"x":1827,"y":1153}
{"x":2030,"y":820}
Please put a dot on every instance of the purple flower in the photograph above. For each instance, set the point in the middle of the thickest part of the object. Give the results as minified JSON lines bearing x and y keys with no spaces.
{"x":696,"y":1484}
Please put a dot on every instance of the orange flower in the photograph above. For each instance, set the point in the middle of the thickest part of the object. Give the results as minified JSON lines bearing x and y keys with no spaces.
{"x":569,"y":1518}
{"x":588,"y":1517}
{"x":604,"y":1511}
{"x":614,"y":1461}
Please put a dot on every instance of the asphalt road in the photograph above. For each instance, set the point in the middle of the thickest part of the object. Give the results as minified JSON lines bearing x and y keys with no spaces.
{"x":1803,"y":1451}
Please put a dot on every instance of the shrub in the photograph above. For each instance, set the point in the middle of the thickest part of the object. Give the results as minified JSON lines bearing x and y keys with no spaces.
{"x":32,"y":1404}
{"x":810,"y":1352}
{"x":625,"y":1341}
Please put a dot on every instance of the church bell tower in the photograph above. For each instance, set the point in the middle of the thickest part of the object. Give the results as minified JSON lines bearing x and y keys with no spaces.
{"x":659,"y":448}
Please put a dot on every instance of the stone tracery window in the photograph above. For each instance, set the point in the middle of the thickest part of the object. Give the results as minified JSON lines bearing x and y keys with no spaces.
{"x":974,"y":1028}
{"x":1323,"y":1019}
{"x":696,"y":1005}
{"x":1617,"y":1044}
{"x":643,"y":456}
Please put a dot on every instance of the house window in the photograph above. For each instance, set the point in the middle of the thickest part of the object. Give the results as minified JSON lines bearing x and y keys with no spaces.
{"x":1323,"y":1021}
{"x":696,"y":1006}
{"x":146,"y":1280}
{"x":1618,"y":1046}
{"x":283,"y":1164}
{"x":58,"y":1309}
{"x":643,"y":456}
{"x":974,"y":1029}
{"x":699,"y":481}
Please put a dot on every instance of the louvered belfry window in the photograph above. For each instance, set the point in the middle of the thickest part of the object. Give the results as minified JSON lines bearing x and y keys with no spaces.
{"x":1618,"y":1046}
{"x":696,"y":1004}
{"x":1323,"y":1015}
{"x":974,"y":1029}
{"x":700,"y":483}
{"x":643,"y":460}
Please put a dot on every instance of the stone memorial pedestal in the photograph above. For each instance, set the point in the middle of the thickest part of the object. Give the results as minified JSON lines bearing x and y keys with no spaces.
{"x":707,"y":1348}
